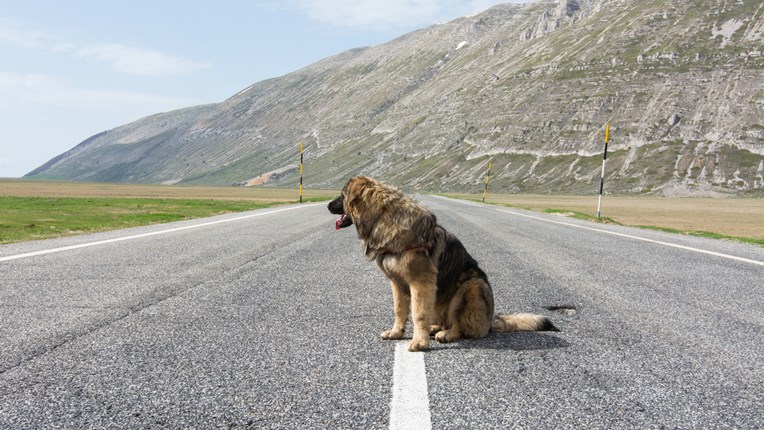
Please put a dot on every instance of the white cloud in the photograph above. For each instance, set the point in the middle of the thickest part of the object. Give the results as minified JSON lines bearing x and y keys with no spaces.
{"x":136,"y":61}
{"x":18,"y":90}
{"x":12,"y":34}
{"x":125,"y":59}
{"x":20,"y":83}
{"x":62,"y":47}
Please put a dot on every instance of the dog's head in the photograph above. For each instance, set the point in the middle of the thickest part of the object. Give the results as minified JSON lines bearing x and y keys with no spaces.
{"x":349,"y":205}
{"x":337,"y":207}
{"x":386,"y":219}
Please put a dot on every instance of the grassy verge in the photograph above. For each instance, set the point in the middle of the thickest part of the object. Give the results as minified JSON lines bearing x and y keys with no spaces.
{"x":697,"y":233}
{"x":707,"y":234}
{"x":32,"y":210}
{"x":581,"y":215}
{"x":33,"y":218}
{"x":738,"y":220}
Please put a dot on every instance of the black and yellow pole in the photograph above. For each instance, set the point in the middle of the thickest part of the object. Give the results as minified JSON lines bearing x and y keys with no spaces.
{"x":301,"y":172}
{"x":486,"y":185}
{"x":603,"y":170}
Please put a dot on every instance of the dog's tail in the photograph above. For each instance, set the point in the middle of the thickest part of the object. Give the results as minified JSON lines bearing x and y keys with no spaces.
{"x":522,"y":322}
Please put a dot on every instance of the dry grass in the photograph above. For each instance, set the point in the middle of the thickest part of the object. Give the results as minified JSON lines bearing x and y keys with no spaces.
{"x":26,"y":188}
{"x":729,"y":217}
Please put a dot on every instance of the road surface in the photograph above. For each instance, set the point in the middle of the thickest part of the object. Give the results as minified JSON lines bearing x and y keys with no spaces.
{"x":270,"y":319}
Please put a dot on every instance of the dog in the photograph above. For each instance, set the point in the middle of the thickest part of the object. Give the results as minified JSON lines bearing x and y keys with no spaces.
{"x":430,"y":272}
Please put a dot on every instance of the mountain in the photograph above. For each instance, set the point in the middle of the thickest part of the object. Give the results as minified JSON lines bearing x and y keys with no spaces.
{"x":530,"y":87}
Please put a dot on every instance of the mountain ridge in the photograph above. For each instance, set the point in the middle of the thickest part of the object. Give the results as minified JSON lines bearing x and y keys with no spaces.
{"x":529,"y":86}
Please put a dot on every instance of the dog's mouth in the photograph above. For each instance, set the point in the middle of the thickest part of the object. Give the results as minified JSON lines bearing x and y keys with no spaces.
{"x":343,"y":222}
{"x":336,"y":207}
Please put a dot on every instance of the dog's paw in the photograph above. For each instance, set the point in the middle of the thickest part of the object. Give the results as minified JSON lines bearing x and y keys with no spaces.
{"x":392,"y":334}
{"x":446,"y":336}
{"x":419,"y":345}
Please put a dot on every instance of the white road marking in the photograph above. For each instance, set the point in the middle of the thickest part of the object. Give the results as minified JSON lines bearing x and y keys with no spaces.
{"x":629,"y":236}
{"x":644,"y":239}
{"x":138,"y":236}
{"x":410,"y":407}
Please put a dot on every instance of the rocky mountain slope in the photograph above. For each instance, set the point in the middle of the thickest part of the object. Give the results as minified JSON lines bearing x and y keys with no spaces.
{"x":530,"y":87}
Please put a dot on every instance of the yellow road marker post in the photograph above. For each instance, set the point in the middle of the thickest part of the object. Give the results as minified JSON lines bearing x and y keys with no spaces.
{"x":486,"y":185}
{"x":603,"y":170}
{"x":301,"y":172}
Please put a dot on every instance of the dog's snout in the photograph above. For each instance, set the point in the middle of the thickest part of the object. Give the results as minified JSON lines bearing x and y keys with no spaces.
{"x":336,"y":206}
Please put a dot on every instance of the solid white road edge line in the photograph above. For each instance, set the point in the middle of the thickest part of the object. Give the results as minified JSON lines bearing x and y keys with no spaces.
{"x":138,"y":236}
{"x":658,"y":242}
{"x":644,"y":239}
{"x":409,"y":407}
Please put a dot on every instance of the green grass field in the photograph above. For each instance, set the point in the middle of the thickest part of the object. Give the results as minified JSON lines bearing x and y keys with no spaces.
{"x":32,"y":218}
{"x":33,"y":210}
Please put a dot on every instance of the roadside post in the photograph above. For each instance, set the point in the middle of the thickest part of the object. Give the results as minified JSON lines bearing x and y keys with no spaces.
{"x":301,"y":172}
{"x":603,"y":170}
{"x":486,"y":185}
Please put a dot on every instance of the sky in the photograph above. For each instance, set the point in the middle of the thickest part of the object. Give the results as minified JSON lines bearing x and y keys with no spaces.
{"x":71,"y":69}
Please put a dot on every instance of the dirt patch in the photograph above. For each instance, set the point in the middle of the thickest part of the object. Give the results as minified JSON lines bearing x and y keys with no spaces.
{"x":274,"y":174}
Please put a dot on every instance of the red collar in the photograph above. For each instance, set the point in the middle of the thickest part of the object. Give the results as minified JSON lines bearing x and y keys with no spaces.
{"x":417,"y":246}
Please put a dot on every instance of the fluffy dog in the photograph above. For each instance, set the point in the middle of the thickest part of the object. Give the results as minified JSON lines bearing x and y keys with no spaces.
{"x":429,"y":269}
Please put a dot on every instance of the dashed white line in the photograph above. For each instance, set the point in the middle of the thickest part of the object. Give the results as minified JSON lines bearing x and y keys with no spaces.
{"x":410,"y":407}
{"x":138,"y":236}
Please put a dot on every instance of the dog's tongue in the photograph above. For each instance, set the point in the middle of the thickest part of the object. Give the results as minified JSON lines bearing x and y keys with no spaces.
{"x":339,"y":221}
{"x":343,"y":222}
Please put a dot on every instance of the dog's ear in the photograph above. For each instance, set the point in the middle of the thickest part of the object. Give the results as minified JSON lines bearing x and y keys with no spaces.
{"x":354,"y":189}
{"x":348,"y":195}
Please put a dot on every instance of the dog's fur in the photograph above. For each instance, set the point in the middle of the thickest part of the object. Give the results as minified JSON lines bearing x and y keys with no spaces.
{"x":429,"y":269}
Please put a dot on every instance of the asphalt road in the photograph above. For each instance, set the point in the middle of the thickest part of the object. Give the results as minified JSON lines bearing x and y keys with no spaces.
{"x":271,"y":320}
